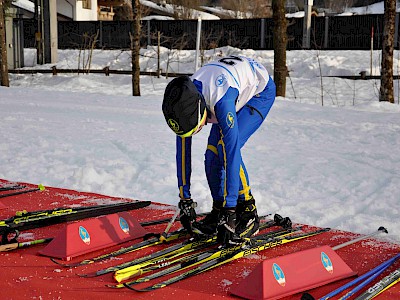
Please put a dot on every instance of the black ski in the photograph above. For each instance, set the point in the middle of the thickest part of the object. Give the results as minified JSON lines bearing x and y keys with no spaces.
{"x":12,"y":187}
{"x":230,"y":255}
{"x":144,"y":244}
{"x":28,"y":220}
{"x":182,"y":263}
{"x":177,"y":249}
{"x":39,"y":188}
{"x":178,"y":234}
{"x":148,"y":242}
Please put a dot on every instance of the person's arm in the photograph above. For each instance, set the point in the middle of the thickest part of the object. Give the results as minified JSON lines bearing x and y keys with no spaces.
{"x":225,"y":113}
{"x":183,"y":165}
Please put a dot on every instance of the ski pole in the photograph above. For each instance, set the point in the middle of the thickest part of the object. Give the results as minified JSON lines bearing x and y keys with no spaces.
{"x":13,"y":246}
{"x":17,"y":245}
{"x":161,"y":221}
{"x":39,"y":188}
{"x":163,"y":235}
{"x":380,"y":229}
{"x":383,"y":266}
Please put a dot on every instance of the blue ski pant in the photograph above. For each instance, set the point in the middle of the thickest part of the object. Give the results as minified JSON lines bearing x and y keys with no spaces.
{"x":249,"y":119}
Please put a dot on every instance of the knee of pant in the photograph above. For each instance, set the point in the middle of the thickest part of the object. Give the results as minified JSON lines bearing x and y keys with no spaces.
{"x":210,"y":159}
{"x":210,"y":156}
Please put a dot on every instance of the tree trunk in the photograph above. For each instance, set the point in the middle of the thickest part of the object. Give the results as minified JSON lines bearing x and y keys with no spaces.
{"x":386,"y":89}
{"x":135,"y":48}
{"x":4,"y":81}
{"x":280,"y":41}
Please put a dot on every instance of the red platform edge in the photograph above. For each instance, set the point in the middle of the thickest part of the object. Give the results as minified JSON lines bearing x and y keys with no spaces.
{"x":93,"y":234}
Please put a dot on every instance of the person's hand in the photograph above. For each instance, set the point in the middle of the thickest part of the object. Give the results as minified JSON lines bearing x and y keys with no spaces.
{"x":187,"y":213}
{"x":226,"y":227}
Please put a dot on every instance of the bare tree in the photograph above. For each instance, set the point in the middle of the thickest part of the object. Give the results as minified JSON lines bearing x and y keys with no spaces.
{"x":261,"y":8}
{"x":239,"y":7}
{"x":243,"y":9}
{"x":386,"y":90}
{"x":135,"y":48}
{"x":184,"y":8}
{"x":3,"y":49}
{"x":89,"y":42}
{"x":280,"y":41}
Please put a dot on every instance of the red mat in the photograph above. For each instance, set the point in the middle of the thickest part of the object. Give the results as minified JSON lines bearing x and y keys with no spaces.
{"x":27,"y":275}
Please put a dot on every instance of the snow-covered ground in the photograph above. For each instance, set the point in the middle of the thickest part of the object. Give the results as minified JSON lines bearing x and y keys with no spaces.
{"x":336,"y":165}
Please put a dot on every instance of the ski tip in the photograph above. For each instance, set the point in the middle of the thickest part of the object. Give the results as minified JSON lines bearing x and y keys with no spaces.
{"x":127,"y":285}
{"x":89,"y":275}
{"x":72,"y":265}
{"x":58,"y":262}
{"x":115,"y":286}
{"x":383,"y":229}
{"x":41,"y":187}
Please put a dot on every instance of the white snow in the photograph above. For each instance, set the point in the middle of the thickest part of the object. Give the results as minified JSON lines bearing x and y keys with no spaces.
{"x":373,"y":9}
{"x":336,"y":165}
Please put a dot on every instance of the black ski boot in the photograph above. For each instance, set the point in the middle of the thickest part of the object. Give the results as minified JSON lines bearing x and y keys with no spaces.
{"x":209,"y":224}
{"x":247,"y":220}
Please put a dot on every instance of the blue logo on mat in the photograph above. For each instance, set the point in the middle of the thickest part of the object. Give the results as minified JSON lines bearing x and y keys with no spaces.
{"x":278,"y":274}
{"x":326,"y":262}
{"x":84,"y":234}
{"x":124,"y":225}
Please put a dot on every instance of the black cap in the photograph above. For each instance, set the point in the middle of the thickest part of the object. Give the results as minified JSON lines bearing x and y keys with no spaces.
{"x":181,"y":105}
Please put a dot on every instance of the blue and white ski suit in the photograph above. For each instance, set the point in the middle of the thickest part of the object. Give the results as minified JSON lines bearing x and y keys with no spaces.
{"x":238,"y":93}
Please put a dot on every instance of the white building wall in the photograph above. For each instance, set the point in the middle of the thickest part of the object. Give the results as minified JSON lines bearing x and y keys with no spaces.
{"x":74,"y":10}
{"x":83,"y":14}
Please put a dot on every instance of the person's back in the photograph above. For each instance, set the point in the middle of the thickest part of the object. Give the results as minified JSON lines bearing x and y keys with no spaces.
{"x":241,"y":73}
